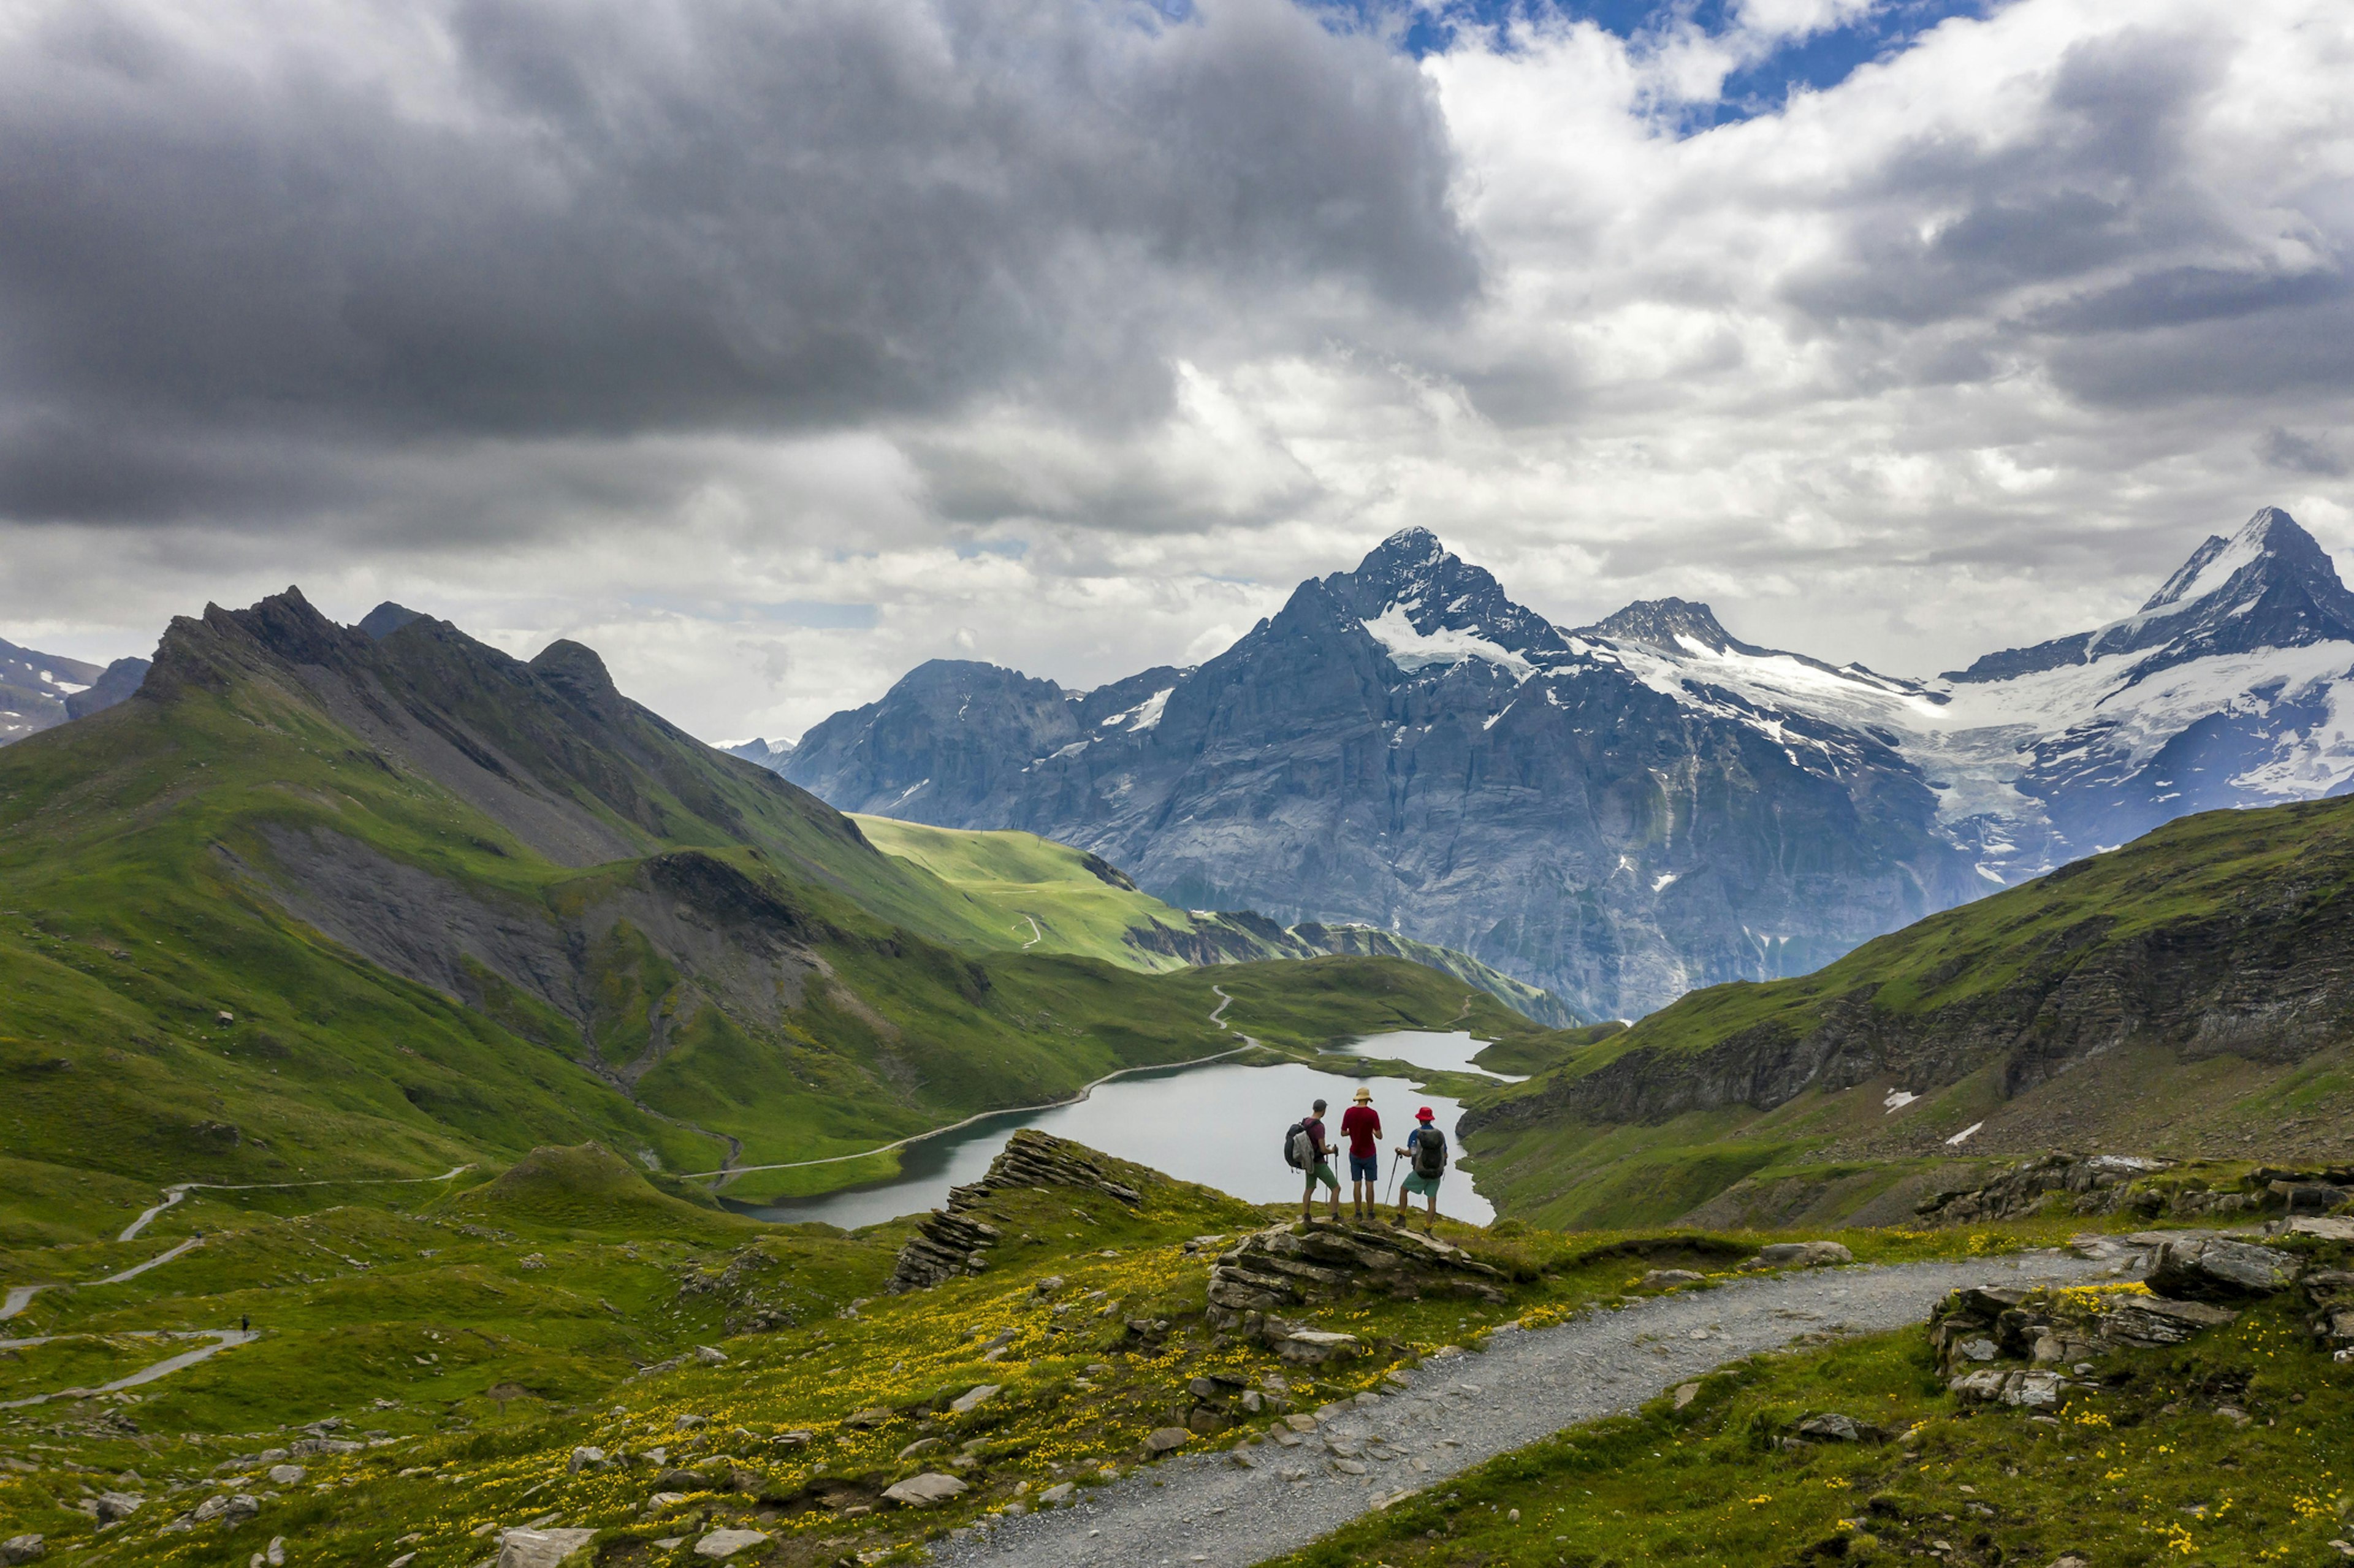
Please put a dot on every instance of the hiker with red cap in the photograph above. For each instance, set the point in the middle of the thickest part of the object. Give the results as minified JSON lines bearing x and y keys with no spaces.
{"x":1426,"y":1146}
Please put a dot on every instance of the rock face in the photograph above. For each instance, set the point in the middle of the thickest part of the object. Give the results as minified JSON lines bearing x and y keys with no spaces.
{"x":1636,"y":808}
{"x":952,"y":1242}
{"x":1982,"y":1334}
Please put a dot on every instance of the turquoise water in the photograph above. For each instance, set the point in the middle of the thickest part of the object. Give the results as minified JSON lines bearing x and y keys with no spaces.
{"x":1221,"y":1125}
{"x":1450,"y":1052}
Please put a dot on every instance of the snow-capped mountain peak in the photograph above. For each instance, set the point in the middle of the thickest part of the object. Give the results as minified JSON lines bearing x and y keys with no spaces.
{"x":1427,"y":605}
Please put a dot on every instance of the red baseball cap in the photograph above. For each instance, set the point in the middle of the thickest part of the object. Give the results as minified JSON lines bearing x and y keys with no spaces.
{"x":1425,"y":1114}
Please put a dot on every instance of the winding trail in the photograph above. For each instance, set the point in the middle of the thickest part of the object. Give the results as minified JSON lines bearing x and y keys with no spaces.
{"x":1085,"y":1090}
{"x":222,"y":1340}
{"x":1455,"y":1412}
{"x":180,"y":1190}
{"x":1036,"y":936}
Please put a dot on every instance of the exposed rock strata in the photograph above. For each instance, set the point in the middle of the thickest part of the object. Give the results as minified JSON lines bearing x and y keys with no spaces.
{"x":1287,"y":1268}
{"x":952,"y":1242}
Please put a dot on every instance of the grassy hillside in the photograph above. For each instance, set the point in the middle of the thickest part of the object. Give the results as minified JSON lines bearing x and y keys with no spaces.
{"x":314,"y":906}
{"x":470,"y":1341}
{"x":1048,"y":897}
{"x":2185,"y":995}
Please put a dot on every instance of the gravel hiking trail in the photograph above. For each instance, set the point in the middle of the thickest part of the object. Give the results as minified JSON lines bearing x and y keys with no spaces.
{"x":1457,"y":1411}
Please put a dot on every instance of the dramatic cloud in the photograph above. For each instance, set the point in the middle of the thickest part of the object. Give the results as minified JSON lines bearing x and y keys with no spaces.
{"x":774,"y":346}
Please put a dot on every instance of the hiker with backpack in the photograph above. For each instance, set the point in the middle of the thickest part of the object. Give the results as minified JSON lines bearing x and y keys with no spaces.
{"x":1360,"y":1124}
{"x":1426,"y":1146}
{"x":1304,"y":1149}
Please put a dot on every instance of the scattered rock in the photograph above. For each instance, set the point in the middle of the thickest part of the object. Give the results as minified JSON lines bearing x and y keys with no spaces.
{"x":234,"y":1508}
{"x":1686,"y":1394}
{"x":540,"y":1548}
{"x":2336,"y":1228}
{"x":286,"y":1475}
{"x":1166,"y":1439}
{"x":680,"y":1483}
{"x":710,"y":1356}
{"x":689,"y":1422}
{"x":1668,"y":1279}
{"x":727,"y":1542}
{"x":2095,"y":1184}
{"x":1800,"y":1255}
{"x":921,"y":1445}
{"x":864,"y":1419}
{"x":971,"y":1399}
{"x":1832,"y":1427}
{"x":22,"y":1549}
{"x":113,"y":1506}
{"x":274,"y":1554}
{"x":583,"y":1458}
{"x":923,"y":1490}
{"x":2215,"y":1268}
{"x":1057,"y":1494}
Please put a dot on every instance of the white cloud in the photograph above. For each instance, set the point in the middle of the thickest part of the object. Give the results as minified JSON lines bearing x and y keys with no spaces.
{"x":1959,"y":353}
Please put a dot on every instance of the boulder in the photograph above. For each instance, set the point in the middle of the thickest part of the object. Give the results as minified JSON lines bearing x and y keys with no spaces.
{"x":2147,"y":1322}
{"x":233,"y":1508}
{"x":1166,"y":1439}
{"x":1800,"y":1255}
{"x":113,"y":1506}
{"x":921,"y":1445}
{"x":971,"y":1399}
{"x":583,"y":1458}
{"x":22,"y":1549}
{"x":2216,"y":1268}
{"x":1315,"y":1346}
{"x":727,"y":1542}
{"x":540,"y":1548}
{"x":923,"y":1490}
{"x":1668,"y":1279}
{"x":1831,"y":1426}
{"x":1285,"y":1266}
{"x":863,"y":1419}
{"x":680,"y":1482}
{"x":710,"y":1356}
{"x":1057,"y":1494}
{"x":2037,"y":1390}
{"x":286,"y":1475}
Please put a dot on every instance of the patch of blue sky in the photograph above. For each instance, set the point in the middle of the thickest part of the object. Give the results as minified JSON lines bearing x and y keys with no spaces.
{"x":1811,"y":62}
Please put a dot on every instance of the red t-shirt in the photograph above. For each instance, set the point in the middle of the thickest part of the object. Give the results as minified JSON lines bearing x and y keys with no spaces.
{"x":1361,"y":1126}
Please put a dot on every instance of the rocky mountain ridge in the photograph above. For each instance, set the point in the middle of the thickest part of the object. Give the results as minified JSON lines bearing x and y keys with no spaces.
{"x":1627,"y":811}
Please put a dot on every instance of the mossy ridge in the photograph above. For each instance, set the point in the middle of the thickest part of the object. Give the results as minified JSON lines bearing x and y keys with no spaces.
{"x":549,"y":1285}
{"x":2142,"y":1471}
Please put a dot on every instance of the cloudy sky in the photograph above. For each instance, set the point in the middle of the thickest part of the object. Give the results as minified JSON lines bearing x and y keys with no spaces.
{"x":773,"y":346}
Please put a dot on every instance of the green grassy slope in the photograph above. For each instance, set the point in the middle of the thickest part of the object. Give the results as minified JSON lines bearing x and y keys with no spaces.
{"x":1048,"y":897}
{"x":472,"y":1340}
{"x":314,"y":907}
{"x":2183,"y":995}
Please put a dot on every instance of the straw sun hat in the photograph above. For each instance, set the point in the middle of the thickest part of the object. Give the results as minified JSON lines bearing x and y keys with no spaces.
{"x":1364,"y":1095}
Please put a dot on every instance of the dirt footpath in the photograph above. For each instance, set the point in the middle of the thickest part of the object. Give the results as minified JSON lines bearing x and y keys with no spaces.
{"x":1457,"y":1411}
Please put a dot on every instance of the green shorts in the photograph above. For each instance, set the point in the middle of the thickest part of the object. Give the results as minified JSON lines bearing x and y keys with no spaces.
{"x":1323,"y":1172}
{"x":1427,"y":1185}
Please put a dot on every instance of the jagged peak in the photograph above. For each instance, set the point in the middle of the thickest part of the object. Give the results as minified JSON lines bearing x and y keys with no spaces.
{"x":1660,"y":622}
{"x":2272,"y":535}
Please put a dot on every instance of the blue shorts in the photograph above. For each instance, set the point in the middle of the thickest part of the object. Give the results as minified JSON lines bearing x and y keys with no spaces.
{"x":1364,"y":1168}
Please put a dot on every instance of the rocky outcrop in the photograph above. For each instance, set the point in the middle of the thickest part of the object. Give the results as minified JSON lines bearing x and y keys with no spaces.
{"x":1981,"y":1335}
{"x":2328,"y":1295}
{"x":953,"y":1242}
{"x":1286,"y":1268}
{"x":2218,"y":1268}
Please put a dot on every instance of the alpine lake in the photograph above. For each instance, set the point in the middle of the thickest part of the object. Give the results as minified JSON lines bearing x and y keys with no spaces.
{"x":1220,"y":1124}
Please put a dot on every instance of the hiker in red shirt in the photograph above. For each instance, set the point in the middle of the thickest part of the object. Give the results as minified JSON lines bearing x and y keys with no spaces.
{"x":1360,"y":1124}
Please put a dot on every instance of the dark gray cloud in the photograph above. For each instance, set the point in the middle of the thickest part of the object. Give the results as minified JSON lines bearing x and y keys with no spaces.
{"x":509,"y":218}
